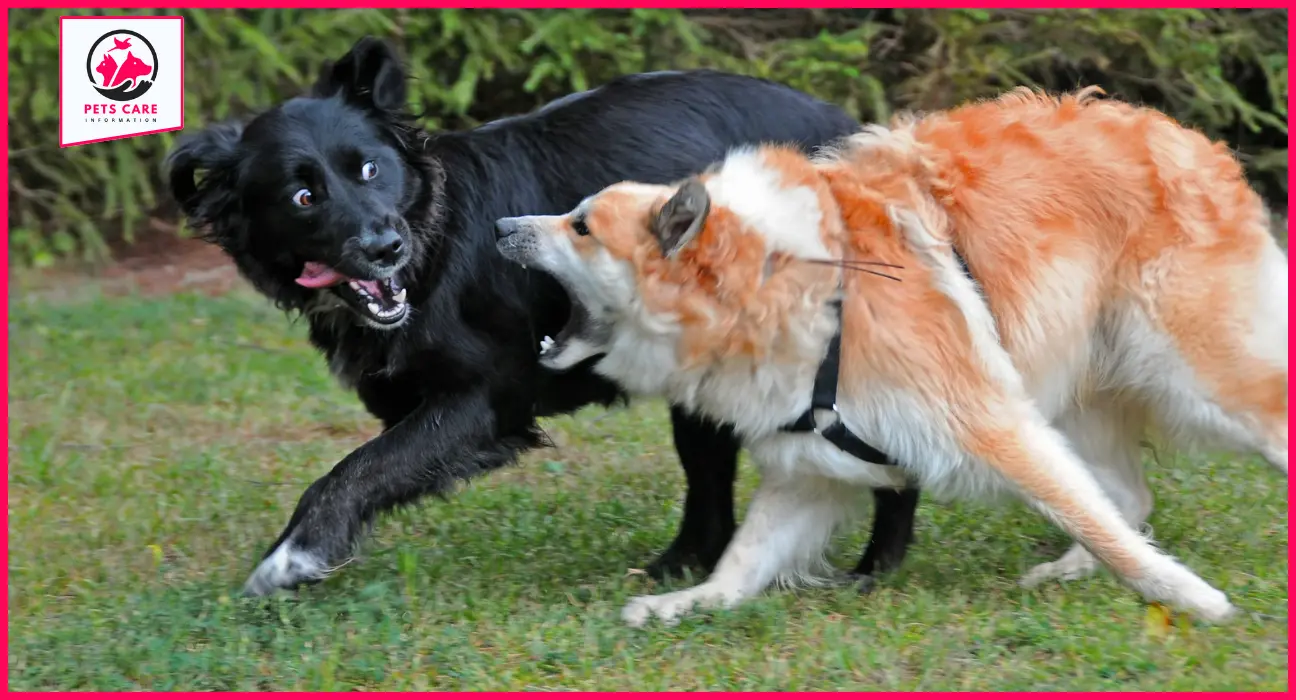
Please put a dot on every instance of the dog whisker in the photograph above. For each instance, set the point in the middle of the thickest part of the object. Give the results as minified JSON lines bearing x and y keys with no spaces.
{"x":876,"y":263}
{"x":330,"y":570}
{"x":858,"y":266}
{"x":850,"y":265}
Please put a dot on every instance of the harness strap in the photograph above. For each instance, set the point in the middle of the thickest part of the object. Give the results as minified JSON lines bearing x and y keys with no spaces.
{"x":824,"y":397}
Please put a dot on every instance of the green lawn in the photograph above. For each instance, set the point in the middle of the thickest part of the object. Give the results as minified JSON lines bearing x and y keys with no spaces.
{"x":156,"y":446}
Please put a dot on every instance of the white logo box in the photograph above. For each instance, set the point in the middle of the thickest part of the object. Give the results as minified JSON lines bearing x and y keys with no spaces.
{"x":87,"y":115}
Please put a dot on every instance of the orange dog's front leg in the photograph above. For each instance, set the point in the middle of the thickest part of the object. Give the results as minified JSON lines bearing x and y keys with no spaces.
{"x":1034,"y":458}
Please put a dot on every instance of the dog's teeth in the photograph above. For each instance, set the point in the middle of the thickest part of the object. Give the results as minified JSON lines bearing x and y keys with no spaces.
{"x":524,"y":267}
{"x":400,"y":297}
{"x":375,"y":309}
{"x":546,"y":344}
{"x":355,"y":285}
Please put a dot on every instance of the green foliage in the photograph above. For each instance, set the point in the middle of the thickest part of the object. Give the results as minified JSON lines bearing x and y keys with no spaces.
{"x":1224,"y":71}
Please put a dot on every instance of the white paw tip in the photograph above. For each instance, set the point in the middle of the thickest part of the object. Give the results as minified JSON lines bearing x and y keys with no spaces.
{"x":635,"y":616}
{"x":640,"y":610}
{"x":284,"y":568}
{"x":1219,"y":612}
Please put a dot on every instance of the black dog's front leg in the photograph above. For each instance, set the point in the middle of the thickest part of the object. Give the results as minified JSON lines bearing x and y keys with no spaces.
{"x":428,"y":452}
{"x":709,"y":454}
{"x":893,"y":527}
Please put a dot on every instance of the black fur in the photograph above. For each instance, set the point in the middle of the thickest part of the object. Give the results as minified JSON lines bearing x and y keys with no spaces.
{"x":457,"y":384}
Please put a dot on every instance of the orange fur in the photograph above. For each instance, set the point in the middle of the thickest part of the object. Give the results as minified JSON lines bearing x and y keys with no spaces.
{"x":1119,"y":262}
{"x":1003,"y":448}
{"x":1059,"y":206}
{"x":717,"y":287}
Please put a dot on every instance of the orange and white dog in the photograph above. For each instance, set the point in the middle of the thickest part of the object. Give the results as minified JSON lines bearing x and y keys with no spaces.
{"x":1120,"y":277}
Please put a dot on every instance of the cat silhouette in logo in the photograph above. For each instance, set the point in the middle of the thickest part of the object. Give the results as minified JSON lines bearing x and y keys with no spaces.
{"x":131,"y":70}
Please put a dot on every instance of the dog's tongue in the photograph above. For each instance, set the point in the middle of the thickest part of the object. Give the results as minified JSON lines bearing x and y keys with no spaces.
{"x":317,"y":275}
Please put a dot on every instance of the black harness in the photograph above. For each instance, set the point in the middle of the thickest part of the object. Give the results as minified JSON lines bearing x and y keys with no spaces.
{"x":824,"y":398}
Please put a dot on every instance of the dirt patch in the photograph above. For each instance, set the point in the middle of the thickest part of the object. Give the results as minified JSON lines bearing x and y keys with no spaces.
{"x":156,"y":263}
{"x":161,"y":262}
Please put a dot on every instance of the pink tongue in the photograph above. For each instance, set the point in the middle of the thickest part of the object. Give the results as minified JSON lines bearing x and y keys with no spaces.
{"x":317,"y":275}
{"x":371,"y":287}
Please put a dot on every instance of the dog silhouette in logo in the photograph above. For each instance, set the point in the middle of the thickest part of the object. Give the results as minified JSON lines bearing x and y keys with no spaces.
{"x":131,"y":70}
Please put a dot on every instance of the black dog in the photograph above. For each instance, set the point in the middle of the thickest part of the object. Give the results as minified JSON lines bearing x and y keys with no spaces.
{"x":336,"y":205}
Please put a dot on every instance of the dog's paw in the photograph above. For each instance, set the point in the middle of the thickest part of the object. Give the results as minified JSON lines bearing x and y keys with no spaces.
{"x":673,"y":566}
{"x":1076,"y":564}
{"x":285,"y":568}
{"x":640,"y":609}
{"x":862,"y":583}
{"x":1173,"y":583}
{"x":670,"y":607}
{"x":1218,"y":609}
{"x":681,"y":561}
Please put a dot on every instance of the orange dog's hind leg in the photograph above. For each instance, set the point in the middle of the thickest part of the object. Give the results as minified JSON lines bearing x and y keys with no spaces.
{"x":999,"y":426}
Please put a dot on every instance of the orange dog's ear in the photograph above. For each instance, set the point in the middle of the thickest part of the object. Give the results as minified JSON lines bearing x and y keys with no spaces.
{"x":681,"y":217}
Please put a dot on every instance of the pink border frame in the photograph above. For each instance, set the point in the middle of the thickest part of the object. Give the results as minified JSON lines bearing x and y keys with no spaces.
{"x":62,"y":143}
{"x":334,"y":4}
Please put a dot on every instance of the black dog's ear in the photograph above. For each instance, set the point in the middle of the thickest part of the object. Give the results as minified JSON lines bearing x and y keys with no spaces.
{"x":324,"y":86}
{"x":214,"y":150}
{"x":369,"y":76}
{"x":682,"y":217}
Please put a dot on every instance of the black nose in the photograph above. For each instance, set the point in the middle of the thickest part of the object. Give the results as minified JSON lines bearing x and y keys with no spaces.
{"x":382,"y":247}
{"x":506,"y":227}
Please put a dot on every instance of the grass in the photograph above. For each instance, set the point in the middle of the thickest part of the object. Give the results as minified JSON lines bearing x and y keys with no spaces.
{"x":156,"y":446}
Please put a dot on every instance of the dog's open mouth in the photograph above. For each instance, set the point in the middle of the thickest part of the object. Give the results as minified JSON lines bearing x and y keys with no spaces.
{"x":580,"y":339}
{"x":380,"y":301}
{"x":574,"y":328}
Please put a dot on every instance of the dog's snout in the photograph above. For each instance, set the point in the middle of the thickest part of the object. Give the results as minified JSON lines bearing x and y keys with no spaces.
{"x":506,"y":227}
{"x":382,"y":247}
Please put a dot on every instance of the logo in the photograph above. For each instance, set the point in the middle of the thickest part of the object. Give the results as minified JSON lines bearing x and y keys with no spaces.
{"x":119,"y":77}
{"x":117,"y":72}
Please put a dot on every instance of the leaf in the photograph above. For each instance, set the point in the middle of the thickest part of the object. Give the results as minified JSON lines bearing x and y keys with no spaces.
{"x":1158,"y":620}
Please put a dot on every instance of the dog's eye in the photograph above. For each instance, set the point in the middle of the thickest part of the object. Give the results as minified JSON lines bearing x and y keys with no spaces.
{"x":369,"y":170}
{"x":580,"y":228}
{"x":304,"y":198}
